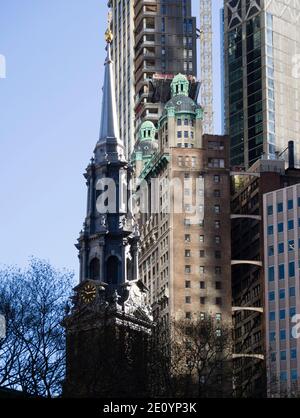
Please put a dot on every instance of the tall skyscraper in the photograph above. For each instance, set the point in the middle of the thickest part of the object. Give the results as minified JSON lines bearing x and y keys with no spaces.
{"x":154,"y":40}
{"x":122,"y":25}
{"x":262,"y":87}
{"x":185,"y":256}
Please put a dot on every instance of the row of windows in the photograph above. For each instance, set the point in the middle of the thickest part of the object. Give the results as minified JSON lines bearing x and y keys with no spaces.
{"x":282,"y":335}
{"x":188,"y":285}
{"x":187,"y":238}
{"x":282,"y":314}
{"x":185,"y":134}
{"x":203,"y":300}
{"x":203,"y":316}
{"x":290,"y":247}
{"x":292,"y":293}
{"x":280,"y":226}
{"x":188,"y":208}
{"x":290,"y":206}
{"x":203,"y":269}
{"x":281,"y":271}
{"x":283,"y":355}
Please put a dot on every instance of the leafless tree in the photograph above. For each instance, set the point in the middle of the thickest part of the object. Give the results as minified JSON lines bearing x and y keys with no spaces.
{"x":33,"y":301}
{"x":192,"y":358}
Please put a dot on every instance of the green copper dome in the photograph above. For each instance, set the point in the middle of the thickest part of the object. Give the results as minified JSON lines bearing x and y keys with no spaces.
{"x":180,"y":85}
{"x":147,"y":131}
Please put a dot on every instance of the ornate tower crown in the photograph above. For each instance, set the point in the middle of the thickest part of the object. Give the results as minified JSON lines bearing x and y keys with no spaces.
{"x":180,"y":85}
{"x":147,"y":131}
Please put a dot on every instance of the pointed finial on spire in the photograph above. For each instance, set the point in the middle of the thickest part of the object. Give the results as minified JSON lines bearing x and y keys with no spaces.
{"x":108,"y":34}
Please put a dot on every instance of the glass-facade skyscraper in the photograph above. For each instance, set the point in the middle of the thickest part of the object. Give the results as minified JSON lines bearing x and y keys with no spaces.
{"x":262,"y":87}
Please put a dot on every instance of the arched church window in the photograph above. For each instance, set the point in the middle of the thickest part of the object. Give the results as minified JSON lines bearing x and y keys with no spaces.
{"x":95,"y":269}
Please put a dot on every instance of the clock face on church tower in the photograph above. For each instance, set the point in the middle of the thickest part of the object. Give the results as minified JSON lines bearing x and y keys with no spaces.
{"x":88,"y":293}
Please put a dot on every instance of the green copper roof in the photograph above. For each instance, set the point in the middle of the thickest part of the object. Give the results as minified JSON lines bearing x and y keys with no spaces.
{"x":180,"y":85}
{"x":147,"y":131}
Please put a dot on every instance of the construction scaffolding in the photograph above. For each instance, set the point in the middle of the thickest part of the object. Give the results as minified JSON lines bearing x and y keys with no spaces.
{"x":206,"y":64}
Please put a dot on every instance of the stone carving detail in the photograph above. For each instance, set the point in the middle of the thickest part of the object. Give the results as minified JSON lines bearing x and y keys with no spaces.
{"x":136,"y":304}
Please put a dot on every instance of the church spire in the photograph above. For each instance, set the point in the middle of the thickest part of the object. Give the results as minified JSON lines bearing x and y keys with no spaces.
{"x":110,"y":147}
{"x":109,"y":122}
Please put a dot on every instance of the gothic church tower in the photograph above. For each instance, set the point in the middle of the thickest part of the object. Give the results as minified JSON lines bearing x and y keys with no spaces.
{"x":109,"y":321}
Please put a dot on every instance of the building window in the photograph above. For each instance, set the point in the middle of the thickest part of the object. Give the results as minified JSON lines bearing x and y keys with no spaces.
{"x":218,"y":270}
{"x":281,"y":272}
{"x":282,"y":314}
{"x":270,"y":210}
{"x":218,"y":301}
{"x":217,"y":224}
{"x":218,"y":285}
{"x":271,"y":274}
{"x":201,"y":238}
{"x":270,"y":230}
{"x":202,"y":269}
{"x":179,"y":122}
{"x":202,"y":300}
{"x":218,"y":317}
{"x":271,"y":250}
{"x":187,"y":222}
{"x":187,"y":284}
{"x":293,"y":354}
{"x":282,"y":334}
{"x":282,"y":294}
{"x":292,"y":269}
{"x":281,"y":248}
{"x":217,"y":239}
{"x":283,"y":376}
{"x":187,"y":269}
{"x":280,"y":227}
{"x":187,"y":238}
{"x":291,"y":245}
{"x":179,"y":134}
{"x":202,"y":285}
{"x":218,"y":254}
{"x":280,"y":207}
{"x":217,"y":179}
{"x":271,"y":296}
{"x":292,"y":292}
{"x":290,"y":224}
{"x":216,"y":163}
{"x":188,"y":315}
{"x":290,"y":204}
{"x":272,"y":316}
{"x":188,"y":299}
{"x":217,"y":193}
{"x":202,"y":254}
{"x":294,"y":375}
{"x":187,"y":253}
{"x":217,"y":209}
{"x":282,"y":355}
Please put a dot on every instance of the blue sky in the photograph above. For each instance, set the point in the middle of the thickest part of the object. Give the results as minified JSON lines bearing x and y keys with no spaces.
{"x":49,"y":122}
